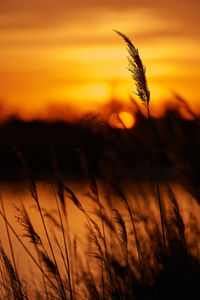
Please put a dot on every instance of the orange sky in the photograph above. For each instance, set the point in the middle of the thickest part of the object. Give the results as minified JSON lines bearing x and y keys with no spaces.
{"x":60,"y":55}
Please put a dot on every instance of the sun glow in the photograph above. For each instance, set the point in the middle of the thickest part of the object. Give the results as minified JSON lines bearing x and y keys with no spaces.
{"x":122,"y":120}
{"x":127,"y":119}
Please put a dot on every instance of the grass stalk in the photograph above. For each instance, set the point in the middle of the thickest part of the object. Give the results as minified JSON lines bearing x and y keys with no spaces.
{"x":29,"y":253}
{"x":161,"y":216}
{"x":65,"y":245}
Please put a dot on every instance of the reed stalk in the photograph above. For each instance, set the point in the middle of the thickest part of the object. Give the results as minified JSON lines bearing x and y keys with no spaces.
{"x":138,"y":72}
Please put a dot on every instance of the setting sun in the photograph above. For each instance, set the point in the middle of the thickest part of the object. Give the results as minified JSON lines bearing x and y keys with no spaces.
{"x":127,"y":119}
{"x":122,"y":120}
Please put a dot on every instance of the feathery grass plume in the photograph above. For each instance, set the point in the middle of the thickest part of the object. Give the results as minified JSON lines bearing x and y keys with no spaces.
{"x":90,"y":222}
{"x":52,"y":270}
{"x":121,"y":225}
{"x":29,"y":231}
{"x":123,"y":242}
{"x":9,"y":238}
{"x":97,"y":229}
{"x":74,"y":199}
{"x":176,"y":217}
{"x":33,"y":190}
{"x":93,"y":237}
{"x":93,"y":188}
{"x":78,"y":204}
{"x":30,"y":182}
{"x":5,"y":291}
{"x":99,"y":255}
{"x":95,"y":195}
{"x":124,"y":200}
{"x":29,"y":253}
{"x":138,"y":71}
{"x":14,"y":280}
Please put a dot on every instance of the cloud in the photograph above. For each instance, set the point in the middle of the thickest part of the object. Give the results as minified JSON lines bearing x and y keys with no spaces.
{"x":23,"y":14}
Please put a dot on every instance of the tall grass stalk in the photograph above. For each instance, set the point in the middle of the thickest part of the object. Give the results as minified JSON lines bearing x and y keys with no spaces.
{"x":9,"y":238}
{"x":161,"y":216}
{"x":131,"y":213}
{"x":29,"y":232}
{"x":91,"y":222}
{"x":65,"y":245}
{"x":138,"y":72}
{"x":33,"y":191}
{"x":95,"y":195}
{"x":15,"y":284}
{"x":29,"y":253}
{"x":61,"y":196}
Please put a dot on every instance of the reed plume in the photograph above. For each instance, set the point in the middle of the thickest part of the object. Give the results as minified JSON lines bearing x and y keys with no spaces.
{"x":121,"y":226}
{"x":28,"y":176}
{"x":74,"y":199}
{"x":15,"y":284}
{"x":33,"y":191}
{"x":124,"y":200}
{"x":29,"y":231}
{"x":138,"y":71}
{"x":176,"y":217}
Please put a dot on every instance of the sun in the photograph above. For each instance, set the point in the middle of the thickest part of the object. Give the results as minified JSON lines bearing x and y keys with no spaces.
{"x":123,"y":120}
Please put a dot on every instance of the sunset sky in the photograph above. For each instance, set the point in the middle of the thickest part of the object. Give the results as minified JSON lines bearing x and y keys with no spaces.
{"x":58,"y":55}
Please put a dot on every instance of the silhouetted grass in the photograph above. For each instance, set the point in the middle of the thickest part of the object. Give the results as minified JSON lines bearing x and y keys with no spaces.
{"x":131,"y":251}
{"x":126,"y":268}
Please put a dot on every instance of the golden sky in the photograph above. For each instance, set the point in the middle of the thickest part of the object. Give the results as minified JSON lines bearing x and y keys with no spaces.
{"x":60,"y":55}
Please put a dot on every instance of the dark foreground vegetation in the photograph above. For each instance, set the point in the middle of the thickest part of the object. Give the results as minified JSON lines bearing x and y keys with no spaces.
{"x":143,"y":152}
{"x":130,"y":250}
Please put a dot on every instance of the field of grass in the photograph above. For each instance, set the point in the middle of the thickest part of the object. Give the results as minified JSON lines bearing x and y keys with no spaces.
{"x":138,"y":244}
{"x":141,"y":238}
